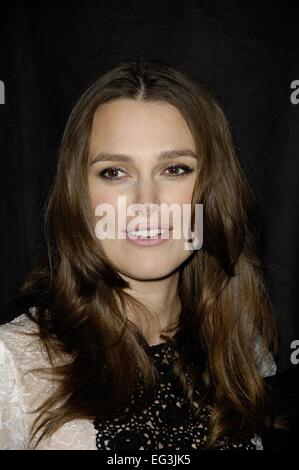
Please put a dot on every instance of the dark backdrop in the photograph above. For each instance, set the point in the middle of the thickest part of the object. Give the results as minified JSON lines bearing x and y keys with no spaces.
{"x":247,"y":53}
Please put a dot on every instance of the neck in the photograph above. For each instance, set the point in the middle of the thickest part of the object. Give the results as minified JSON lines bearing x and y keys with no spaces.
{"x":162,"y":299}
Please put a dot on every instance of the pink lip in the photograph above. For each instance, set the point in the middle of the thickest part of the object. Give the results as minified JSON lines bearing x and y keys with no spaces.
{"x":150,"y":227}
{"x":147,"y":242}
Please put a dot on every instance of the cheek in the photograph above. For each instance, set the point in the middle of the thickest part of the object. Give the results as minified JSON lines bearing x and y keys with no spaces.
{"x":183,"y":196}
{"x":99,"y":195}
{"x":182,"y":193}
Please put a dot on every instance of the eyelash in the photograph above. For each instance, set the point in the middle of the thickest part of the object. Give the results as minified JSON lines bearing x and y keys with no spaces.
{"x":185,"y":167}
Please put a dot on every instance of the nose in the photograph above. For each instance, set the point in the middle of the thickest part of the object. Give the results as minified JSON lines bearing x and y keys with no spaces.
{"x":146,"y":193}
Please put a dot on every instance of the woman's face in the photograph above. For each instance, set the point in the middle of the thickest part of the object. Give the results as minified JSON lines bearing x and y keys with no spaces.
{"x":141,"y":131}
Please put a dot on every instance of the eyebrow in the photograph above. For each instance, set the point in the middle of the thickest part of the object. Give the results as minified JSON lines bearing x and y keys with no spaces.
{"x":165,"y":155}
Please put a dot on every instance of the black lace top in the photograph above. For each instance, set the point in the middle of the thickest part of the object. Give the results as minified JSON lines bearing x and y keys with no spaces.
{"x":167,"y":422}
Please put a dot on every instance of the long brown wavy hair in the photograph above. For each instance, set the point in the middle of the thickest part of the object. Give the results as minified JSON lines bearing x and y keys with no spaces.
{"x":81,"y":305}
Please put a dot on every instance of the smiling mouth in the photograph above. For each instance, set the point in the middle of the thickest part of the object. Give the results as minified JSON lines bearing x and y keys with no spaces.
{"x":148,"y":234}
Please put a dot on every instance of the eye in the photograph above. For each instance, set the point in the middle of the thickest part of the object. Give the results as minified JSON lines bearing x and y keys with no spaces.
{"x":113,"y":173}
{"x":186,"y":169}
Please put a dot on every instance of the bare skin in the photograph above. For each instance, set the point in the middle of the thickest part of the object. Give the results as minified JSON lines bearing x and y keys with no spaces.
{"x":142,"y":130}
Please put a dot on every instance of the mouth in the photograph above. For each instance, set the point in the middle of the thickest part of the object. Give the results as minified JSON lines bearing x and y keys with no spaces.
{"x":149,"y":232}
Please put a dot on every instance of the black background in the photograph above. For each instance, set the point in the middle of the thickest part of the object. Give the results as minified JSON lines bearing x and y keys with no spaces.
{"x":247,"y":53}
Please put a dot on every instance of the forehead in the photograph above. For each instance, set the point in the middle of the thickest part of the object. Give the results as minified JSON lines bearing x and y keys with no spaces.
{"x":129,"y":125}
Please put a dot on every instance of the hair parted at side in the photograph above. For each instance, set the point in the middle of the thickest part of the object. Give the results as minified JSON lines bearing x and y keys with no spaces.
{"x":81,"y":306}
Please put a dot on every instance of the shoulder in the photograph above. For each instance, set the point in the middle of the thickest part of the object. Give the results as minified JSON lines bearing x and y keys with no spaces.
{"x":22,"y":388}
{"x":20,"y":339}
{"x":18,"y":326}
{"x":16,"y":356}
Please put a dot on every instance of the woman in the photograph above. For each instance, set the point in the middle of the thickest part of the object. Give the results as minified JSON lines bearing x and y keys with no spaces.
{"x":95,"y":313}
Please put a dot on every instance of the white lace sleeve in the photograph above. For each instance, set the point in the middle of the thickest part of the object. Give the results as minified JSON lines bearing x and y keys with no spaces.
{"x":13,"y":427}
{"x":264,"y":359}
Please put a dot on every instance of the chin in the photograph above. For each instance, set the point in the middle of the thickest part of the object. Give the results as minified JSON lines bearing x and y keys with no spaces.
{"x":141,"y":273}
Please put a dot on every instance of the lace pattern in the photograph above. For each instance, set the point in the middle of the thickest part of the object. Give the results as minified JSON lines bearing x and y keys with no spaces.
{"x":166,"y":421}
